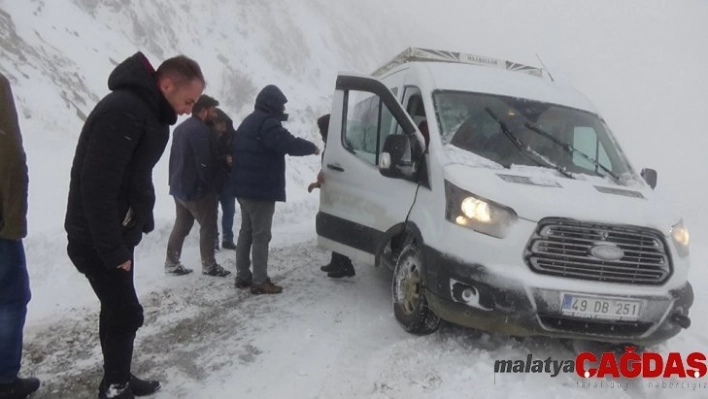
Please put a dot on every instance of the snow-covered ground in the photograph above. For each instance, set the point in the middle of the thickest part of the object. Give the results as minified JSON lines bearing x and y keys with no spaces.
{"x":641,"y":62}
{"x":322,"y":338}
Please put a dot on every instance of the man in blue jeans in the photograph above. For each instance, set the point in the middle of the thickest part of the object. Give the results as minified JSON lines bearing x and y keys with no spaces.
{"x":14,"y":281}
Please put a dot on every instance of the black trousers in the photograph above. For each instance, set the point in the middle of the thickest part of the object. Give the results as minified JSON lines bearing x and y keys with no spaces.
{"x":121,"y":312}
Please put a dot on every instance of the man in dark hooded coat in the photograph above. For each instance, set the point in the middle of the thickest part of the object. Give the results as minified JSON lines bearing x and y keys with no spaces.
{"x":258,"y":181}
{"x":111,"y":198}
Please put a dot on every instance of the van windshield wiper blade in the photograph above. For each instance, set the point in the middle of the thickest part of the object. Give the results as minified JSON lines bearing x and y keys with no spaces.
{"x":572,"y":150}
{"x":525,"y":149}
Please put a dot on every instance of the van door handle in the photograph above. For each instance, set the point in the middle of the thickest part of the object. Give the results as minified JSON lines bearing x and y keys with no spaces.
{"x":335,"y":166}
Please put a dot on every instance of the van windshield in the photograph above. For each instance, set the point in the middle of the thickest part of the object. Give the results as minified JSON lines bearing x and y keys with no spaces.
{"x":473,"y":122}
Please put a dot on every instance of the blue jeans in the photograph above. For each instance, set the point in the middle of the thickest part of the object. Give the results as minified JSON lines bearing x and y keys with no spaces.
{"x":228,"y":208}
{"x":14,"y":297}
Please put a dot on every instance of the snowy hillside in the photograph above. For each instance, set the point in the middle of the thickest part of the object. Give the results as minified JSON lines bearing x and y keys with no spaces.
{"x":324,"y":338}
{"x":58,"y":54}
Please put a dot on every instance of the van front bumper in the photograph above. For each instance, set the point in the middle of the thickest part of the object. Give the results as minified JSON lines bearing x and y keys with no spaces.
{"x":470,"y":295}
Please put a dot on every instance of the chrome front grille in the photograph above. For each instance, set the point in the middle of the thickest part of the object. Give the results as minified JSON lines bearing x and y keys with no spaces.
{"x":563,"y":247}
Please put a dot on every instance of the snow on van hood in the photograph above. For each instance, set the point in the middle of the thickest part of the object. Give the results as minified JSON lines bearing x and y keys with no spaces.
{"x":535,"y":193}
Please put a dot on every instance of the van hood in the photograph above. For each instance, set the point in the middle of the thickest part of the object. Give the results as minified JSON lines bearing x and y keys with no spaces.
{"x":537,"y":193}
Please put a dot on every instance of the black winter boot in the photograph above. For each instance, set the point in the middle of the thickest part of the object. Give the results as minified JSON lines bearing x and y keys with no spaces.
{"x":115,"y":391}
{"x":332,"y":265}
{"x":346,"y":270}
{"x":329,"y":267}
{"x":19,"y":389}
{"x":143,"y":387}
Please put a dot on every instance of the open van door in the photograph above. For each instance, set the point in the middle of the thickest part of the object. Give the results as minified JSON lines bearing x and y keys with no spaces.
{"x":358,"y":204}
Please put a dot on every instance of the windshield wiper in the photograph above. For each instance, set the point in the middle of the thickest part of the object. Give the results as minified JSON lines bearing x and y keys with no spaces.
{"x":525,"y":149}
{"x":572,"y":150}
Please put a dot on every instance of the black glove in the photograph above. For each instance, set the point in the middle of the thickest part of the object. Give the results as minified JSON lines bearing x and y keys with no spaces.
{"x":149,"y":224}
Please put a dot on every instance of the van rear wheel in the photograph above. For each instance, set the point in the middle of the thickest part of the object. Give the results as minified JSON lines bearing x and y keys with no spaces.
{"x":409,"y":303}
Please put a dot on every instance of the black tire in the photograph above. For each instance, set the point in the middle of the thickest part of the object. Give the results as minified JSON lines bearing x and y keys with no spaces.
{"x":409,"y":303}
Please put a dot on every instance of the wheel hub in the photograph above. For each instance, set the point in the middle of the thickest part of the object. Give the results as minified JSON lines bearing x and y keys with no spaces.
{"x":410,"y":288}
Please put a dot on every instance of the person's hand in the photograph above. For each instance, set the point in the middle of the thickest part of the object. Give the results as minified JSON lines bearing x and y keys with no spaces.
{"x":229,"y":160}
{"x":320,"y":178}
{"x":126,"y":266}
{"x":149,"y":225}
{"x":317,"y":151}
{"x":312,"y":186}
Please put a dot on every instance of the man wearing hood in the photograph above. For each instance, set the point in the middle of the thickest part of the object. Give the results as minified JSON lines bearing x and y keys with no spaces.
{"x":111,"y":198}
{"x":258,"y":181}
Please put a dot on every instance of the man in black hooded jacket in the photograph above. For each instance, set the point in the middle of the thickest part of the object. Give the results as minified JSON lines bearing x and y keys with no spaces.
{"x":111,"y":198}
{"x":258,"y":181}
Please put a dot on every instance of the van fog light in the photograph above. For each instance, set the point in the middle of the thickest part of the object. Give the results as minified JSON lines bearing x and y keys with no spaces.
{"x":475,"y":297}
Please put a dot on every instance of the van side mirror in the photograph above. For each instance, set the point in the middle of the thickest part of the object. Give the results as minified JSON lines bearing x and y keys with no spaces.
{"x":397,"y":160}
{"x":650,"y":176}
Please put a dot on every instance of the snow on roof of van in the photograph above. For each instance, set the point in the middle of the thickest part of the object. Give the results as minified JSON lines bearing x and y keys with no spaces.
{"x":479,"y":79}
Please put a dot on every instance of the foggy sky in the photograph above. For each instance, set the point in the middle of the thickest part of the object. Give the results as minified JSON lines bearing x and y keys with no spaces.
{"x":644,"y":64}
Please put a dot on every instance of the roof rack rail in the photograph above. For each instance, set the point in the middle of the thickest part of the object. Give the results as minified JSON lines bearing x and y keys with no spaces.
{"x":420,"y":54}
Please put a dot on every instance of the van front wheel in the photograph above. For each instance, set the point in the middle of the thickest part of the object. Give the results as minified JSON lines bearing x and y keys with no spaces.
{"x":409,"y":304}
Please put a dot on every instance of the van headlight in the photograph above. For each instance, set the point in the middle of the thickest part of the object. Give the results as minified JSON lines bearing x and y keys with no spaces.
{"x":681,"y":238}
{"x":479,"y":214}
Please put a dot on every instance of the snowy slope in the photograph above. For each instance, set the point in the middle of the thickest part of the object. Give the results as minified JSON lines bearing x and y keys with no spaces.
{"x":324,"y":338}
{"x":58,"y":54}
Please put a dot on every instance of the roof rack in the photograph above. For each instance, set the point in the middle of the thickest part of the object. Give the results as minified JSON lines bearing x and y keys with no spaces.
{"x":420,"y":54}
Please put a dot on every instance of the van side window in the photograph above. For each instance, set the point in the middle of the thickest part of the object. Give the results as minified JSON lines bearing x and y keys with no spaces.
{"x":416,"y":110}
{"x":368,"y":123}
{"x":585,"y":140}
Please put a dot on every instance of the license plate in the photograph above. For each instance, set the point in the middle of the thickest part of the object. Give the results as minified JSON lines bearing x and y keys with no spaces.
{"x":592,"y":307}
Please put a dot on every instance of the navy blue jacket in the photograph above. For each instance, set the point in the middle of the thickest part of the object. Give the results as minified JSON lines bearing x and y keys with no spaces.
{"x":192,"y":161}
{"x":259,"y":148}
